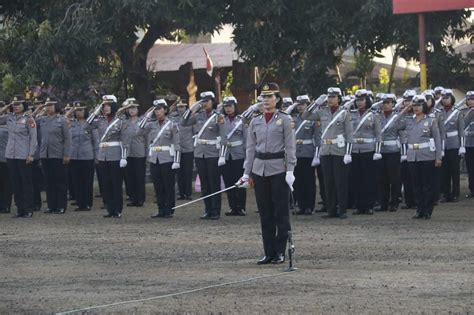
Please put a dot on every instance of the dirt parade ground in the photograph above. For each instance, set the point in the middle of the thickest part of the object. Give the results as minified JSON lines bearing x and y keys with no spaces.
{"x":385,"y":263}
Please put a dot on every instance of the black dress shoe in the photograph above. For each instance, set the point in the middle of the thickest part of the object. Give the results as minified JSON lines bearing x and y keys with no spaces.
{"x":343,"y":216}
{"x":455,"y":199}
{"x":417,"y":216}
{"x":28,"y":215}
{"x":108,"y":215}
{"x":323,"y":209}
{"x":48,"y":211}
{"x":231,"y":213}
{"x":470,"y":195}
{"x":407,"y":207}
{"x":299,"y":212}
{"x":393,"y":208}
{"x":158,"y":215}
{"x":308,"y":211}
{"x":264,"y":260}
{"x":369,"y":212}
{"x":61,"y":211}
{"x":278,"y":259}
{"x":357,"y":212}
{"x":181,"y":198}
{"x":205,"y":216}
{"x":427,"y":216}
{"x":214,"y":217}
{"x":117,"y":215}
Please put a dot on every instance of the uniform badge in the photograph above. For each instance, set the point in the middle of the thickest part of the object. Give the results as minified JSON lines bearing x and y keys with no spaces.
{"x":22,"y":121}
{"x":426,"y":124}
{"x":279,"y":122}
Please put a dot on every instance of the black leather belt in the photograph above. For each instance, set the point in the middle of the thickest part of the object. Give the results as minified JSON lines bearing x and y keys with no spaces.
{"x":270,"y":156}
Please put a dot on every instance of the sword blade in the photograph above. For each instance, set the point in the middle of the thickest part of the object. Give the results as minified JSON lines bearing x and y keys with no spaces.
{"x":202,"y":198}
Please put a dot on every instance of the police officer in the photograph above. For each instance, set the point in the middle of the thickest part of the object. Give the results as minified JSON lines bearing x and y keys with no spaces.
{"x":38,"y":176}
{"x":206,"y":150}
{"x":21,"y":146}
{"x":135,"y":170}
{"x":423,"y":154}
{"x":305,"y":176}
{"x":164,"y":155}
{"x":366,"y":150}
{"x":55,"y":154}
{"x":335,"y":152}
{"x":270,"y":160}
{"x":469,"y":133}
{"x":454,"y":147}
{"x":113,"y":151}
{"x":186,"y":142}
{"x":84,"y":154}
{"x":407,"y":181}
{"x":287,"y":102}
{"x":232,"y":155}
{"x":5,"y":187}
{"x":438,"y":93}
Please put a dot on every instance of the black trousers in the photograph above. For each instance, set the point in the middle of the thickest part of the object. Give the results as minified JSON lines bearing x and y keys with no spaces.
{"x":5,"y":188}
{"x":407,"y":181}
{"x":272,"y":196}
{"x":469,"y":157}
{"x":22,"y":185}
{"x":100,"y":179}
{"x":135,"y":179}
{"x":450,"y":174}
{"x":363,"y":168}
{"x":389,"y":180}
{"x":113,"y":179}
{"x":71,"y":185}
{"x":164,"y":184}
{"x":210,"y":182}
{"x":232,"y":171}
{"x":423,"y":174}
{"x":56,"y":174}
{"x":322,"y":191}
{"x":305,"y":183}
{"x":185,"y":174}
{"x":82,"y":173}
{"x":336,"y":183}
{"x":38,"y":184}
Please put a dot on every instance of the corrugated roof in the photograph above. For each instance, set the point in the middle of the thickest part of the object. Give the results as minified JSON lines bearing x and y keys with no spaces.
{"x":169,"y":57}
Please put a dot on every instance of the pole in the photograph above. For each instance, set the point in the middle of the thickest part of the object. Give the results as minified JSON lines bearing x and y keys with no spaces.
{"x":217,"y":82}
{"x":422,"y":48}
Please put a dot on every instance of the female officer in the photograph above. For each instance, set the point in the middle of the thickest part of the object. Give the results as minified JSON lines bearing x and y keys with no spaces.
{"x":469,"y":133}
{"x":21,"y":147}
{"x":232,"y":154}
{"x":366,"y":149}
{"x":164,"y":155}
{"x":5,"y":191}
{"x":84,"y":151}
{"x":271,"y":160}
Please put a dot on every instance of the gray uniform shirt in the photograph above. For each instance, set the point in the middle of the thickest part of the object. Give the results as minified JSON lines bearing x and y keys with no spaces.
{"x":341,"y":129}
{"x":306,"y":138}
{"x":114,"y":132}
{"x":453,"y":129}
{"x":169,"y":137}
{"x":55,"y":137}
{"x":420,"y":132}
{"x":234,"y":149}
{"x":22,"y":138}
{"x":392,"y":135}
{"x":3,"y":142}
{"x":138,"y":146}
{"x":186,"y":133}
{"x":275,"y":136}
{"x":469,"y":127}
{"x":211,"y":132}
{"x":368,"y":131}
{"x":85,"y":142}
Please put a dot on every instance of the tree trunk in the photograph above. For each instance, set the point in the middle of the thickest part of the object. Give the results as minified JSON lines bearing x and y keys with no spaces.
{"x":392,"y":69}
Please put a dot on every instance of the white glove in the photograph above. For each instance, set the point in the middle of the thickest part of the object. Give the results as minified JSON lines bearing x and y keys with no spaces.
{"x":377,"y":156}
{"x":316,"y":161}
{"x":290,"y":179}
{"x":175,"y":166}
{"x":462,"y":150}
{"x":403,"y":158}
{"x":123,"y":163}
{"x":442,"y":153}
{"x":243,"y":182}
{"x":347,"y":159}
{"x":221,"y":161}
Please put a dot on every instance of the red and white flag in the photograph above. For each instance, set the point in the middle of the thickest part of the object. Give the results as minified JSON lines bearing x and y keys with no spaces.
{"x":209,"y":64}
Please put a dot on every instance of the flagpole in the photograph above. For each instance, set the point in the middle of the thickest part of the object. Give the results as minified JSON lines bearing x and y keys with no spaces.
{"x":217,"y":83}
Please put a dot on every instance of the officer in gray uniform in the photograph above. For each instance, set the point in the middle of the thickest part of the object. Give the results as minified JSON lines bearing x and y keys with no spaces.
{"x":454,"y":147}
{"x":164,"y":155}
{"x":55,"y":154}
{"x":407,"y":181}
{"x":270,"y":160}
{"x":38,"y":176}
{"x":232,"y":155}
{"x":5,"y":190}
{"x":136,"y":166}
{"x":84,"y":154}
{"x":113,"y":152}
{"x":423,"y":154}
{"x":206,"y":150}
{"x":469,"y":133}
{"x":365,"y":151}
{"x":21,"y":147}
{"x":335,"y":152}
{"x":305,"y":175}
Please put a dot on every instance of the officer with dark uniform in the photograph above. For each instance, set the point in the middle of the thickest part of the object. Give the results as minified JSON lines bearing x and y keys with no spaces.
{"x":206,"y":150}
{"x":469,"y":133}
{"x":454,"y":147}
{"x":5,"y":187}
{"x":305,"y":175}
{"x":335,"y":152}
{"x":55,"y":154}
{"x":164,"y":155}
{"x":38,"y":176}
{"x":270,"y":160}
{"x":232,"y":155}
{"x":365,"y":151}
{"x":21,"y":147}
{"x":407,"y":181}
{"x":84,"y":154}
{"x":113,"y":151}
